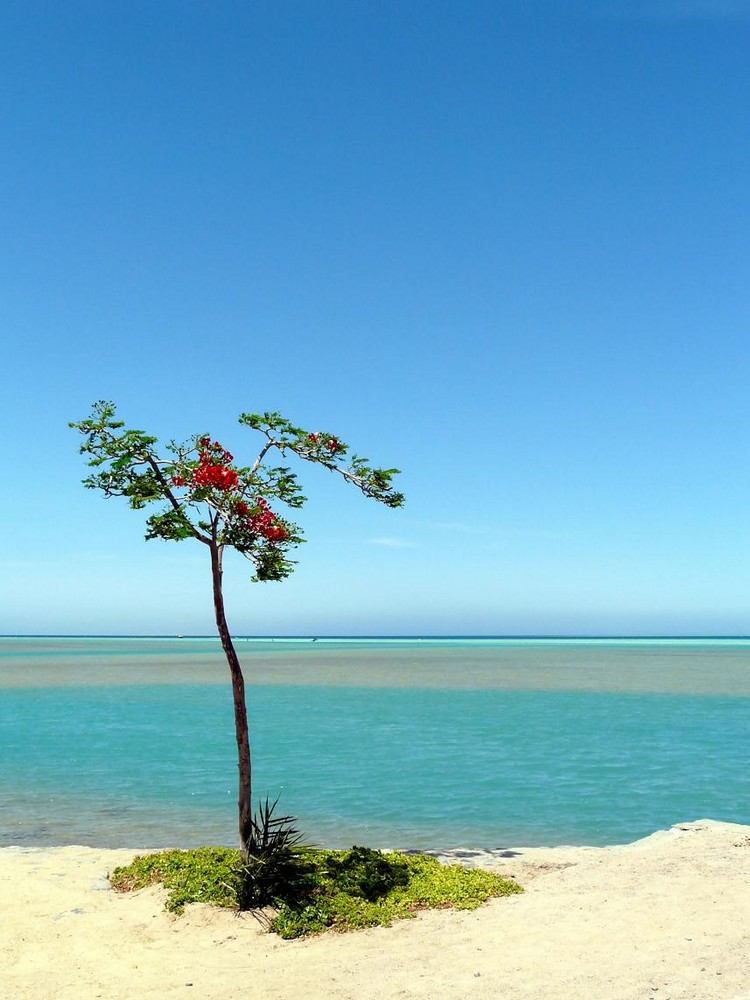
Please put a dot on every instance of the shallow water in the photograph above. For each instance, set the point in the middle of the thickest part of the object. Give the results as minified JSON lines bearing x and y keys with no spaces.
{"x":483,"y":743}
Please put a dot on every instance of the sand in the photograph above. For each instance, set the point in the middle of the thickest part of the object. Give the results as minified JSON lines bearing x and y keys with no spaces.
{"x":665,"y":918}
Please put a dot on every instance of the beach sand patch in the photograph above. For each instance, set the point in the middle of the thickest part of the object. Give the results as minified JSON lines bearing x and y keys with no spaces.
{"x":667,"y":918}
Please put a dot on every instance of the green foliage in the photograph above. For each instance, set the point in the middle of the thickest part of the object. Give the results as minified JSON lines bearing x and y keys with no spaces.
{"x":432,"y":885}
{"x":276,"y":864}
{"x":172,"y":526}
{"x":365,"y":888}
{"x":366,"y":873}
{"x":204,"y":495}
{"x":203,"y":875}
{"x":318,"y":890}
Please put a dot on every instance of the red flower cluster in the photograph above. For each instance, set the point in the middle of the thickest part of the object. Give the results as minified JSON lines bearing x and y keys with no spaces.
{"x":264,"y":522}
{"x":213,"y":470}
{"x":218,"y":476}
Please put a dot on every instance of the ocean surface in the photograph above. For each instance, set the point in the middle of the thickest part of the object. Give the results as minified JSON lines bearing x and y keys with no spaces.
{"x":412,"y":743}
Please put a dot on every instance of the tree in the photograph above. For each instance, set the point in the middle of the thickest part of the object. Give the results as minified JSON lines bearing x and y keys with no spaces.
{"x":205,"y":496}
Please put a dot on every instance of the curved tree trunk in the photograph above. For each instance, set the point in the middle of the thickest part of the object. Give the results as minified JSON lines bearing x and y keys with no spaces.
{"x":240,"y":708}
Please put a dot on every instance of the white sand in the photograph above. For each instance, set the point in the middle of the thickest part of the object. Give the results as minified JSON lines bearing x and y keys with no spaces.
{"x":666,"y":918}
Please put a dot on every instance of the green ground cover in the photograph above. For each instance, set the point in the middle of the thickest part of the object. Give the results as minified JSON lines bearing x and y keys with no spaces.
{"x":308,"y":891}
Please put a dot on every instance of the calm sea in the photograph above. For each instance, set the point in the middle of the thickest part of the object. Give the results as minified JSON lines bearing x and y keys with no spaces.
{"x":391,"y":742}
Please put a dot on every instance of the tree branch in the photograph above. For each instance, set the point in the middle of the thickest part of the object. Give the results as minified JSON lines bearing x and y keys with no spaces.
{"x":264,"y":451}
{"x":150,"y":460}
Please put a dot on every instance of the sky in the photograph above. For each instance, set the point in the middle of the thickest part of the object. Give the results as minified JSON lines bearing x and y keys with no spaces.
{"x":499,"y":245}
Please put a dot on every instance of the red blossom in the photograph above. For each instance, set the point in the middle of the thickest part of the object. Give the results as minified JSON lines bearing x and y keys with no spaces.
{"x":179,"y":480}
{"x":264,"y":522}
{"x":276,"y":533}
{"x":213,"y":471}
{"x":333,"y":445}
{"x":218,"y":476}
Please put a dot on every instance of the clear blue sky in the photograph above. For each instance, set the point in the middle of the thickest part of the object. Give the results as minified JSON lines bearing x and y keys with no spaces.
{"x":501,"y":245}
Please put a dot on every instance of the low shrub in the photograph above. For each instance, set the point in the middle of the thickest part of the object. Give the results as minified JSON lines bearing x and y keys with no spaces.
{"x":276,"y":864}
{"x":202,"y":875}
{"x":314,"y":890}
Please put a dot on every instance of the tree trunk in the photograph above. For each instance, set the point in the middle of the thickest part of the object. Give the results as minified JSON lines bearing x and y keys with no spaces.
{"x":240,"y":708}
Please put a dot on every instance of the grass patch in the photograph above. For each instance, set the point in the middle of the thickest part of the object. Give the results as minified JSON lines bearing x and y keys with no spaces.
{"x":322,"y":890}
{"x":203,"y":875}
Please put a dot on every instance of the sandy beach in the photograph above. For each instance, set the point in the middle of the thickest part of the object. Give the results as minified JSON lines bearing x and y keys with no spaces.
{"x":665,"y":918}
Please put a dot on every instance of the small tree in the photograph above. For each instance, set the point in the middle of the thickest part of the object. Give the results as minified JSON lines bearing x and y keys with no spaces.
{"x":205,"y":496}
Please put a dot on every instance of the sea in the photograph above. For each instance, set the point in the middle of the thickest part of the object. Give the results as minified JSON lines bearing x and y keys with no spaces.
{"x":414,"y":743}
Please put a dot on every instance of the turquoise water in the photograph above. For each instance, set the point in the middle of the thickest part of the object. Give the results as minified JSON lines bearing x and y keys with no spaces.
{"x":438,"y":743}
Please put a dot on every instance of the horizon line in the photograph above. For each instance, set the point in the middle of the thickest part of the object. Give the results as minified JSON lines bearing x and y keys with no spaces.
{"x":342,"y":635}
